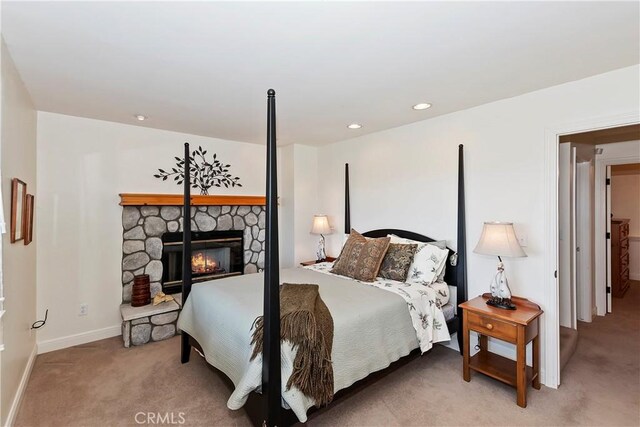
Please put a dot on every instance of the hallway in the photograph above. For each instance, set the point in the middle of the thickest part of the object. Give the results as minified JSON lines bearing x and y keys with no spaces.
{"x":607,"y":359}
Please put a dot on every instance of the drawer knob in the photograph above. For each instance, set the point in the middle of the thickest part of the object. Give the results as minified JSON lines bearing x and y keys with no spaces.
{"x":489,"y":326}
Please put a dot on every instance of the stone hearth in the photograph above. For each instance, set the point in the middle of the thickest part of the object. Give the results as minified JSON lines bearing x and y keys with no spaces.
{"x":143,"y":227}
{"x":149,"y":323}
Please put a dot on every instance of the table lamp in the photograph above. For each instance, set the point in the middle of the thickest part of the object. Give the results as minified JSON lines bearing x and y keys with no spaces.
{"x":321,"y":226}
{"x":499,"y":239}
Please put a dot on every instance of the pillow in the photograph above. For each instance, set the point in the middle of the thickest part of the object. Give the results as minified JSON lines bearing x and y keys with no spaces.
{"x":396,"y":262}
{"x":442,"y":244}
{"x":360,"y":258}
{"x":428,"y":262}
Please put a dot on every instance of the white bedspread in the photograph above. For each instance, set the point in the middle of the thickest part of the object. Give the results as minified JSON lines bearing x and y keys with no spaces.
{"x":423,"y":304}
{"x":372,"y":328}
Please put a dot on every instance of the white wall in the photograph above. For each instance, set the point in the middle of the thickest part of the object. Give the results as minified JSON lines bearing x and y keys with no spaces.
{"x":307,"y":182}
{"x":18,"y":160}
{"x":625,"y":200}
{"x":625,"y":203}
{"x":298,"y":203}
{"x":287,"y":215}
{"x":634,"y":258}
{"x":83,"y":165}
{"x":406,"y":177}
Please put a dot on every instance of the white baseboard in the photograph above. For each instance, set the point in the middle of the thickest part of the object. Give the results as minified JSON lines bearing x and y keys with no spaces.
{"x":77,"y":339}
{"x":15,"y":405}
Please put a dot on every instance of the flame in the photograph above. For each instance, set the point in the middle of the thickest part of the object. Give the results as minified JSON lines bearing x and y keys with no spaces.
{"x":202,"y":263}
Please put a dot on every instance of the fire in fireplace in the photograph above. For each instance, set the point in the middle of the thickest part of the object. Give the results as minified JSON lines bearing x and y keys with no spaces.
{"x":214,"y":254}
{"x":210,"y":261}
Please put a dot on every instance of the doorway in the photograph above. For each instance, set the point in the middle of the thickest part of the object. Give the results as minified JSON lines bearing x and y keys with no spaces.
{"x":624,"y":241}
{"x":592,"y":245}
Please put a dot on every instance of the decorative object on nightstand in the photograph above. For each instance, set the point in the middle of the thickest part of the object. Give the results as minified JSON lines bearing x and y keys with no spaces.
{"x":321,"y":226}
{"x":499,"y":239}
{"x":518,"y":327}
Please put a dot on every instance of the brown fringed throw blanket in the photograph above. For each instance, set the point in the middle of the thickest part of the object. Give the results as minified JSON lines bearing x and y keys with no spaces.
{"x":305,"y":321}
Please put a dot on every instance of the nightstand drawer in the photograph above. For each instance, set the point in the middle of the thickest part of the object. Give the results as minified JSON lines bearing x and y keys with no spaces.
{"x":492,"y":327}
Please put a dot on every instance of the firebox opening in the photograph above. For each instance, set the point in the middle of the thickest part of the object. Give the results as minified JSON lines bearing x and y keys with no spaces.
{"x":214,"y":254}
{"x":210,"y":261}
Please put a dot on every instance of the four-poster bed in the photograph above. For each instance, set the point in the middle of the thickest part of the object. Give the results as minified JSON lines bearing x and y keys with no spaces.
{"x":215,"y":319}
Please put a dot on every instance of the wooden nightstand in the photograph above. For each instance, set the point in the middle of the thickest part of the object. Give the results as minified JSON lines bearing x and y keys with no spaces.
{"x":306,"y":263}
{"x":518,"y":327}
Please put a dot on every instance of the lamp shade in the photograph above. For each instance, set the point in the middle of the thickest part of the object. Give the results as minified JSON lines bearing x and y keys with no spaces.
{"x":320,"y":225}
{"x":499,"y":239}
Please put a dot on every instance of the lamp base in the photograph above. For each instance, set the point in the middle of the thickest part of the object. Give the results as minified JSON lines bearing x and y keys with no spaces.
{"x":504,"y":303}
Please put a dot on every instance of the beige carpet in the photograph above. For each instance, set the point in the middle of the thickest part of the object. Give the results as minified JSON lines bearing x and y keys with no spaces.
{"x":568,"y":345}
{"x":104,"y":384}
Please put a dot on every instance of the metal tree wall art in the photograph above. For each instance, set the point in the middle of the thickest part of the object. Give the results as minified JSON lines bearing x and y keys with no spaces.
{"x":204,"y":173}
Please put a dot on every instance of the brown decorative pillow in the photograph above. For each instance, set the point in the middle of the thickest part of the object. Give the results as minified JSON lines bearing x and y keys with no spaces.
{"x":360,"y":258}
{"x":354,"y":237}
{"x":396,"y":262}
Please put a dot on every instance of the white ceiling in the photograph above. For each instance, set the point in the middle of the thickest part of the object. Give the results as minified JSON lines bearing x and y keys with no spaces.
{"x":204,"y":68}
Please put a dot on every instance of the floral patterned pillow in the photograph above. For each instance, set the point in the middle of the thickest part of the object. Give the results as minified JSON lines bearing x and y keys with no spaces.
{"x":428,"y":262}
{"x":396,"y":262}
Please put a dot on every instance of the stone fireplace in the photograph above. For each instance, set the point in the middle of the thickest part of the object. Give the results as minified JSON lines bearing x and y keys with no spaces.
{"x":147,"y":229}
{"x":226,"y":240}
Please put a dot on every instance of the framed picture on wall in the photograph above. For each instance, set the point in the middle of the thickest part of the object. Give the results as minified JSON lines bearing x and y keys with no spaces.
{"x":28,"y":219}
{"x":18,"y":203}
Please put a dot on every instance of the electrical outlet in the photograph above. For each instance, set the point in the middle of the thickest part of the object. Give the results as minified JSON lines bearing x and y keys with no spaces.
{"x":84,"y":310}
{"x":522,"y":239}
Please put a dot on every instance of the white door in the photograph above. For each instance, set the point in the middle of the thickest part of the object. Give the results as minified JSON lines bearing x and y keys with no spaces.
{"x":584,"y":278}
{"x":608,"y":216}
{"x":566,"y":235}
{"x":574,"y":238}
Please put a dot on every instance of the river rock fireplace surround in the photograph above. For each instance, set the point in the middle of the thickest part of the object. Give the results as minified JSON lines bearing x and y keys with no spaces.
{"x":227,"y":240}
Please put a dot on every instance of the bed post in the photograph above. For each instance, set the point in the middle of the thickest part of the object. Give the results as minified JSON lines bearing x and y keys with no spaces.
{"x":347,"y":205}
{"x":271,"y":381}
{"x":461,"y":273}
{"x":185,"y":347}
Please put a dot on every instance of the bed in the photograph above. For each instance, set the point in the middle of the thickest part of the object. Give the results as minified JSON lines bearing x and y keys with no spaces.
{"x":374,"y":327}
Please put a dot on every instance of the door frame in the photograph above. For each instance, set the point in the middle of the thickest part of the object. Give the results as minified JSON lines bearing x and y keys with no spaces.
{"x":603,"y":267}
{"x":551,"y":349}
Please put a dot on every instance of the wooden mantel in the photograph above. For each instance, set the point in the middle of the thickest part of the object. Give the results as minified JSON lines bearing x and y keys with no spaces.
{"x":132,"y":199}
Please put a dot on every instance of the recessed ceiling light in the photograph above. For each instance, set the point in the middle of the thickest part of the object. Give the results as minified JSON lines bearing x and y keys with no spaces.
{"x":422,"y":106}
{"x":354,"y":126}
{"x":140,"y":117}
